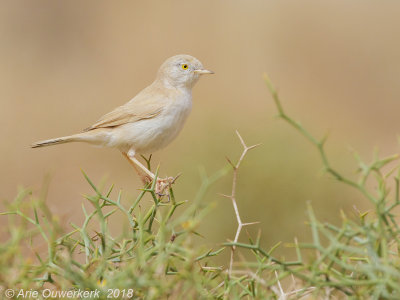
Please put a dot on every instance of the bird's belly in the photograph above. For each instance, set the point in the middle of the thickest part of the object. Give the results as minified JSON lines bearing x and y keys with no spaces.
{"x":150,"y":135}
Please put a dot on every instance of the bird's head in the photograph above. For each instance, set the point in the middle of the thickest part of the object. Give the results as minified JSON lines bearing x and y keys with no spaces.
{"x":181,"y":71}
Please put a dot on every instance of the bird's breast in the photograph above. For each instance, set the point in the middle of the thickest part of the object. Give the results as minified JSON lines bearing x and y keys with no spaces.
{"x":147,"y":136}
{"x":175,"y":114}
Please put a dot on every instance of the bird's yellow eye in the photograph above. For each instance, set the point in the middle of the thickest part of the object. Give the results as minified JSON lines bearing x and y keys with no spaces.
{"x":185,"y":66}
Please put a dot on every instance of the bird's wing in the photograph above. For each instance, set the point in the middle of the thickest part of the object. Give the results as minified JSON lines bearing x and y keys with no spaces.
{"x":139,"y":108}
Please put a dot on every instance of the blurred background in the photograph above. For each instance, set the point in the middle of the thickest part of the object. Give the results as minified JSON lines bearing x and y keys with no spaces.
{"x":336,"y":64}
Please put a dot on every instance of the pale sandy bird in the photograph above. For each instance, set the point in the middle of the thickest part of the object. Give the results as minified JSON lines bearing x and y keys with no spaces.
{"x":151,"y":120}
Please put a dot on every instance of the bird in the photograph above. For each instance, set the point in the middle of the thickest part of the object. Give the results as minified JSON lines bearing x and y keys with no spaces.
{"x":150,"y":120}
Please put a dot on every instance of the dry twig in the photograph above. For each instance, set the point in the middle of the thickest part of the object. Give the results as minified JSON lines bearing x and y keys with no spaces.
{"x":232,"y":196}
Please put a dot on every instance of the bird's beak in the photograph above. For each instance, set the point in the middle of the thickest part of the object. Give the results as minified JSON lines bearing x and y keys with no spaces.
{"x":203,"y":72}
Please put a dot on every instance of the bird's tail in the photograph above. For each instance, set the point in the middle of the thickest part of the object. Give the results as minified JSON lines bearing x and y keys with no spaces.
{"x":56,"y":141}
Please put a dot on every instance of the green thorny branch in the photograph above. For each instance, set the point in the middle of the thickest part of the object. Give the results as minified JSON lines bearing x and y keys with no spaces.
{"x":359,"y":257}
{"x":361,"y":253}
{"x":155,"y":237}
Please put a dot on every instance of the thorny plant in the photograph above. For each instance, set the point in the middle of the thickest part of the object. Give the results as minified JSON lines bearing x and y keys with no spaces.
{"x":232,"y":196}
{"x":359,"y":259}
{"x":149,"y":258}
{"x":156,"y":255}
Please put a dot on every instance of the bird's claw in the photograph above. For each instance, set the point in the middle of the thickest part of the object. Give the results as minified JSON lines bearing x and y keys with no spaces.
{"x":163,"y":185}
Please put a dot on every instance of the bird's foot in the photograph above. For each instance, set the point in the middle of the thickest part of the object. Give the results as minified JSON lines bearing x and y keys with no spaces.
{"x":163,"y":185}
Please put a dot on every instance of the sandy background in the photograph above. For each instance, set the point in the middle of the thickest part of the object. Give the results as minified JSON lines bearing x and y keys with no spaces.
{"x":336,"y":64}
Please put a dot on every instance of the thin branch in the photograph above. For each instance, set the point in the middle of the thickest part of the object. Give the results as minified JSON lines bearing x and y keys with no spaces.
{"x":319,"y":144}
{"x":232,"y":196}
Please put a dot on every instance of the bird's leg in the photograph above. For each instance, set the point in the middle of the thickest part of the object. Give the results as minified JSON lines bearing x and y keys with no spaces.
{"x":147,"y":176}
